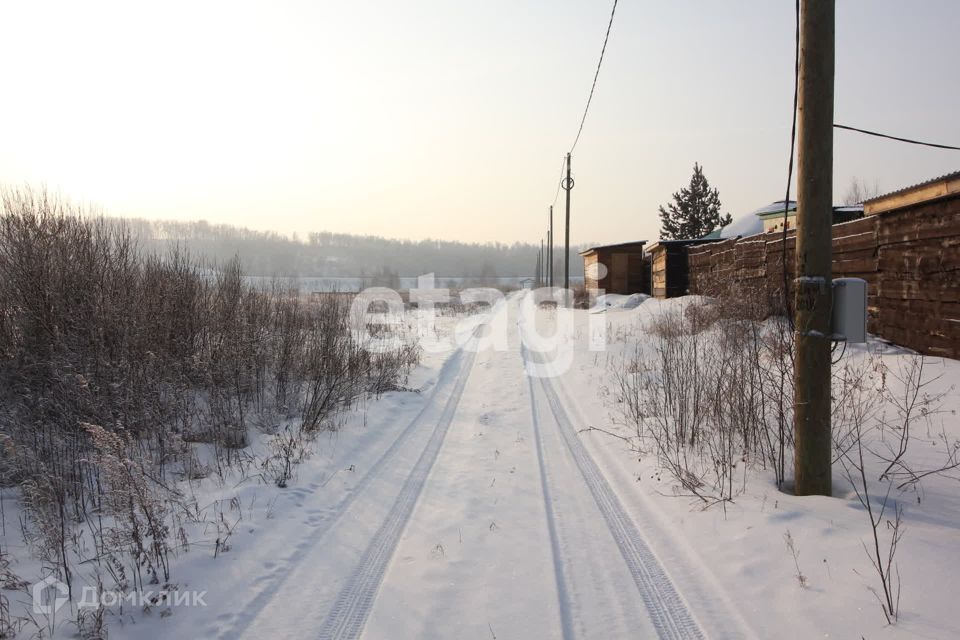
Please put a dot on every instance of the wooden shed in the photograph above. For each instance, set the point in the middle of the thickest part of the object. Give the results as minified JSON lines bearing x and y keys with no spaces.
{"x":617,"y":268}
{"x":669,"y":270}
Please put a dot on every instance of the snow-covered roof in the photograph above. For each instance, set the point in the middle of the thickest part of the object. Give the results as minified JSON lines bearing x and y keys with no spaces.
{"x":747,"y":225}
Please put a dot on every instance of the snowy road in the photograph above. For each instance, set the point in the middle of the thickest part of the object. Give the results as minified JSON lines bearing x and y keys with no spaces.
{"x":486,"y":517}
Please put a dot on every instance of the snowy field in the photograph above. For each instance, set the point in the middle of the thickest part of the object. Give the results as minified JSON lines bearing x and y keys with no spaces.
{"x":492,"y":503}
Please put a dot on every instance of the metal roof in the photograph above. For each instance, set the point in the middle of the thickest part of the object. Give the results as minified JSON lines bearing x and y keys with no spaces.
{"x":622,"y":245}
{"x":775,"y":207}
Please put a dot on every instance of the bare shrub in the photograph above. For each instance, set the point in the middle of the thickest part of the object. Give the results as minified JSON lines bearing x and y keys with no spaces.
{"x":795,"y":553}
{"x":876,"y":415}
{"x":709,"y":392}
{"x":138,"y":509}
{"x":858,"y":408}
{"x":706,"y":394}
{"x":47,"y":527}
{"x":288,"y":448}
{"x":10,"y":626}
{"x":914,"y":403}
{"x":91,"y":623}
{"x":114,"y":362}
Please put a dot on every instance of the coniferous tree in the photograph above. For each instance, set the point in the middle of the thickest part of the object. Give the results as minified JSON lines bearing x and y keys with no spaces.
{"x":694,"y":212}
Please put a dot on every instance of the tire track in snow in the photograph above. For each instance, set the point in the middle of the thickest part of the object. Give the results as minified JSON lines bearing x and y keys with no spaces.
{"x":353,"y":604}
{"x":668,"y":612}
{"x":566,"y":622}
{"x":453,"y":373}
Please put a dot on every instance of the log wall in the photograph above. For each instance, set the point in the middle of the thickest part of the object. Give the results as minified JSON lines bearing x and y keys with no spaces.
{"x":910,"y":258}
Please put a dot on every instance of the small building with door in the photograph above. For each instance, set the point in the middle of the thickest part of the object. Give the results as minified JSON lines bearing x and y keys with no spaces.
{"x":669,"y":270}
{"x":617,"y":268}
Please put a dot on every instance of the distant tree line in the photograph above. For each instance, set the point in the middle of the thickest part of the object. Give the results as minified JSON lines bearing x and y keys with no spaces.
{"x":267,"y":253}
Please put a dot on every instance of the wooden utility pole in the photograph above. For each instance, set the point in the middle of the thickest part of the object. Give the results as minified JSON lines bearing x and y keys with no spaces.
{"x":567,"y":186}
{"x":542,"y":262}
{"x":546,"y":258}
{"x":813,"y":297}
{"x":550,"y":250}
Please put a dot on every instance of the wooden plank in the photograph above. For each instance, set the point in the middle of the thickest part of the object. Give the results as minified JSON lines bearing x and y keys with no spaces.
{"x":866,"y":241}
{"x":791,"y":243}
{"x":919,"y":336}
{"x":928,"y":263}
{"x":921,"y":341}
{"x":853,"y":227}
{"x":920,"y":312}
{"x":937,"y":224}
{"x":856,"y":255}
{"x":859,"y":265}
{"x":918,"y":290}
{"x":913,"y":196}
{"x":926,"y":230}
{"x":944,"y":334}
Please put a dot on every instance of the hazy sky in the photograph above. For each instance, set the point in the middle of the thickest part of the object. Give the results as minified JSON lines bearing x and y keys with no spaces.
{"x":449,"y":118}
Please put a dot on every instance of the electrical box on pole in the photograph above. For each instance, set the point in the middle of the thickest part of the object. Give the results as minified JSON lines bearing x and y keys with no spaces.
{"x":848,"y":322}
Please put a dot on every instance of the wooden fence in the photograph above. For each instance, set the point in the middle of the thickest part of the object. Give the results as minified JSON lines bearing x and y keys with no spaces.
{"x":910,"y":258}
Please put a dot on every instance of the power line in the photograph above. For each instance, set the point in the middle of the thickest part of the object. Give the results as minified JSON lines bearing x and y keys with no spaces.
{"x":559,"y":181}
{"x":566,"y":160}
{"x":889,"y":137}
{"x":595,"y":76}
{"x":793,"y":143}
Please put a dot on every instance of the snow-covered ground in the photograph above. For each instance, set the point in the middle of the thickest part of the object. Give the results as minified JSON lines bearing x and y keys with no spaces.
{"x":480,"y":508}
{"x":740,"y":549}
